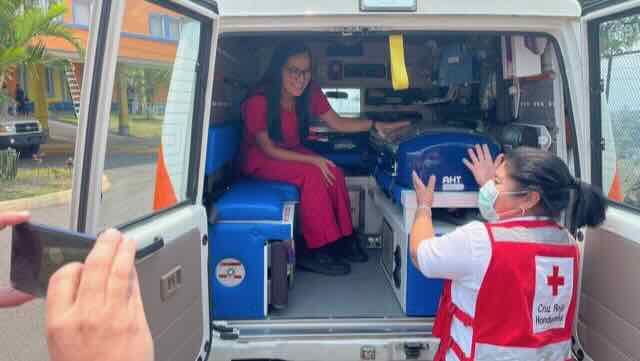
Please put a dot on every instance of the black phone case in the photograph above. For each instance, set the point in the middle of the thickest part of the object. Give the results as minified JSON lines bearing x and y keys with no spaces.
{"x":38,"y":251}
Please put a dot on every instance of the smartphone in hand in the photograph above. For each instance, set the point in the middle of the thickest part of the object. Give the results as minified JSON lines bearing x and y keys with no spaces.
{"x":38,"y":251}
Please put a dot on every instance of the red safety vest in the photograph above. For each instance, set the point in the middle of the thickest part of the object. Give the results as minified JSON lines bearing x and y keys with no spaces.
{"x":527,"y":300}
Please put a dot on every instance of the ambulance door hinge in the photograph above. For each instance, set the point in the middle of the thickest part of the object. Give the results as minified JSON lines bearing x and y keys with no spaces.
{"x":226,"y":333}
{"x":576,"y":349}
{"x":600,"y":88}
{"x":603,"y":144}
{"x":412,"y":350}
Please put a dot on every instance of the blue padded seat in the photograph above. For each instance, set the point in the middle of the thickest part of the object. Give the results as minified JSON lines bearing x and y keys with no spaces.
{"x":252,"y":201}
{"x":222,"y":146}
{"x":288,"y":191}
{"x":249,"y":199}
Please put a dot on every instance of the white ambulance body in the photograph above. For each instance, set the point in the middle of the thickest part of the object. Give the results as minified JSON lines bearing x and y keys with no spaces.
{"x":223,"y":49}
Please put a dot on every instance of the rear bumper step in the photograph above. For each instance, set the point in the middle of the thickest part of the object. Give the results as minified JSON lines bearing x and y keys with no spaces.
{"x":343,"y":328}
{"x":307,"y":340}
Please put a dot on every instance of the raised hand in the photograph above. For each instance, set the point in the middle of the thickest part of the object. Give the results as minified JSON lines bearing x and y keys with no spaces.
{"x":424,"y":194}
{"x":481,"y":163}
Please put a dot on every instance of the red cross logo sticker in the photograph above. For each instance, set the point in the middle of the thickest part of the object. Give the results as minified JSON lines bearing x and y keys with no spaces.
{"x":555,"y":280}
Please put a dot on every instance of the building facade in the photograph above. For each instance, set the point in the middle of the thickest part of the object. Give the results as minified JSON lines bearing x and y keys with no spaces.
{"x":148,"y":43}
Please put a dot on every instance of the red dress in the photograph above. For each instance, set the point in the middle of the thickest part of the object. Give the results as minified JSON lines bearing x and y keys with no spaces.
{"x":324,"y":209}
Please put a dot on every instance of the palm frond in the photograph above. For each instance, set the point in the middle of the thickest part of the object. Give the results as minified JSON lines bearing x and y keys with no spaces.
{"x":60,"y":31}
{"x":24,"y":30}
{"x":12,"y":56}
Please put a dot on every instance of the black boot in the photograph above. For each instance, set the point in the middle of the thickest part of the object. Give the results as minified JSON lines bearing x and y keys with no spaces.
{"x":350,"y":249}
{"x":320,"y":261}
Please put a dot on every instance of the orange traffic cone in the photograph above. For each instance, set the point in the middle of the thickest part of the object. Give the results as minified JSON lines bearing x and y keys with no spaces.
{"x":615,"y":192}
{"x":164,"y":196}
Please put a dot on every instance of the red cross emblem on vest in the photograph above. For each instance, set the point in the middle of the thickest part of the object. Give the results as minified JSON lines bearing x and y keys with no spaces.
{"x":555,"y":280}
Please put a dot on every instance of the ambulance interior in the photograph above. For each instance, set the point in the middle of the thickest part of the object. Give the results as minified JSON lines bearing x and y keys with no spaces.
{"x":505,"y":90}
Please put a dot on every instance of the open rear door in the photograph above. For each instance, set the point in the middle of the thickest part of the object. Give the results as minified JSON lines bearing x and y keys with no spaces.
{"x":144,"y":114}
{"x":609,"y":320}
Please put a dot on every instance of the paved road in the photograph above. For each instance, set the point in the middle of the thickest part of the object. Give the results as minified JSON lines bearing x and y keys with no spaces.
{"x":122,"y":151}
{"x":130,"y":165}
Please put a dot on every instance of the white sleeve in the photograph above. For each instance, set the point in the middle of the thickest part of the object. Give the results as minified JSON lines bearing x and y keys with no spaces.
{"x":450,"y":256}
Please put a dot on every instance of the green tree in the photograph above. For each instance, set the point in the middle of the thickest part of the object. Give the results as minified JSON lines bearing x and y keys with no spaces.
{"x":24,"y":29}
{"x":146,"y":82}
{"x":619,"y":35}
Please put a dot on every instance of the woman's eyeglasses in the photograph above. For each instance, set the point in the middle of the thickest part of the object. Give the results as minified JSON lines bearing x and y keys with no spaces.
{"x":297,"y":73}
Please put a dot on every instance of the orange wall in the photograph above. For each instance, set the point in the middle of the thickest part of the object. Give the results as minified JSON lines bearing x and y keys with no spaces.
{"x":68,"y":16}
{"x":136,"y":18}
{"x":136,"y":21}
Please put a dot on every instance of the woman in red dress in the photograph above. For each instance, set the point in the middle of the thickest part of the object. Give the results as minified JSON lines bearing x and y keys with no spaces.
{"x":276,"y":118}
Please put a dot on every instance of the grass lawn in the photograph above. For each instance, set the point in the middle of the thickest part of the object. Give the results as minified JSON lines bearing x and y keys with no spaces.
{"x":139,"y":126}
{"x":35,"y":182}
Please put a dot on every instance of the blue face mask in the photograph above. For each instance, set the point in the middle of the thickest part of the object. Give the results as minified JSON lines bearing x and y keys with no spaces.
{"x":487,"y":197}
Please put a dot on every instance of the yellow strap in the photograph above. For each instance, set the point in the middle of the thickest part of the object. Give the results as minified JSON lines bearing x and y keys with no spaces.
{"x":399,"y":76}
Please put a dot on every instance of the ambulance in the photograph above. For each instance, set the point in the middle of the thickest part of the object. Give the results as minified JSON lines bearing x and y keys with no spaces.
{"x":217,"y":251}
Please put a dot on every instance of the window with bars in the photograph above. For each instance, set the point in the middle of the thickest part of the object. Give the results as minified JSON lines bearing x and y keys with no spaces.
{"x":164,"y":27}
{"x":619,"y":48}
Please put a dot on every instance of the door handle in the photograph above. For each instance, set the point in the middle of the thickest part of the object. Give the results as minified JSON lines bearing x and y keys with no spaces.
{"x":155,"y":246}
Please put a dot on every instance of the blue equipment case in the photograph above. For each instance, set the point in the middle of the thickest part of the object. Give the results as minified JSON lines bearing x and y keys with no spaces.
{"x":436,"y":152}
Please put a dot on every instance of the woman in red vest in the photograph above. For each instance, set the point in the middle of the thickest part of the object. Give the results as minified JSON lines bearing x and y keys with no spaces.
{"x":276,"y":118}
{"x":512,"y":281}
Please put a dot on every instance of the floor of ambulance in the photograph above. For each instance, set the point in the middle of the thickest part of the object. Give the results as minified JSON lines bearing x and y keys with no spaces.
{"x":365,"y":292}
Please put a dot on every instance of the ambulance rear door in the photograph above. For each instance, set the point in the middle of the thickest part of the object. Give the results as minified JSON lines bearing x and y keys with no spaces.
{"x":144,"y":115}
{"x":608,"y":321}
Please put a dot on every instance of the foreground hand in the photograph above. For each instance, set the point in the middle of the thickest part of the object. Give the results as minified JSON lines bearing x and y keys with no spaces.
{"x":325,"y":166}
{"x":482,"y":165}
{"x":424,"y":195}
{"x":13,"y":218}
{"x":384,"y":127}
{"x":8,"y":296}
{"x":95,"y":311}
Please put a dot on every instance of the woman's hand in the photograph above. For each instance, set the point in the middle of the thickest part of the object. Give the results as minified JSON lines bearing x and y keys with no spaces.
{"x":8,"y":296}
{"x":384,"y":127}
{"x":424,"y":195}
{"x":482,"y":165}
{"x":325,"y":166}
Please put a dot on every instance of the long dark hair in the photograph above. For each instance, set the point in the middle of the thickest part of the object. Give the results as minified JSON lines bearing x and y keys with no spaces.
{"x":543,"y":172}
{"x":271,"y":87}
